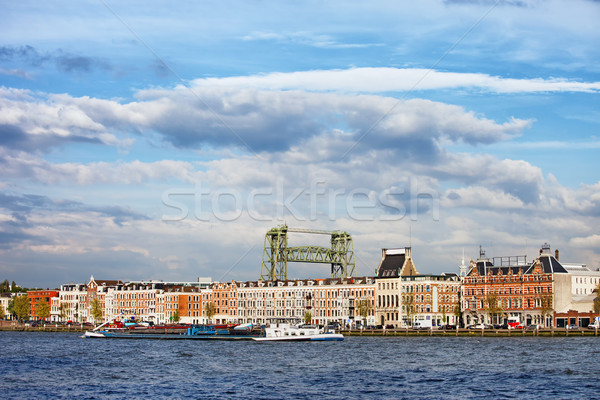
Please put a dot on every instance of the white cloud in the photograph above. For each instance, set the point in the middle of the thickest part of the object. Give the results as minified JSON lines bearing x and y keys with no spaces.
{"x":481,"y":197}
{"x":386,"y":80}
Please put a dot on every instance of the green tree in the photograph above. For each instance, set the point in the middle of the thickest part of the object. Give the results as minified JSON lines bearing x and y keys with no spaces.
{"x":307,"y":317}
{"x":546,"y":307}
{"x":410,"y":309}
{"x":21,"y":307}
{"x":43,"y":309}
{"x":210,"y":310}
{"x":458,"y":313}
{"x":597,"y":300}
{"x":14,"y":288}
{"x":492,"y":307}
{"x":5,"y":286}
{"x":443,"y":315}
{"x":63,"y":310}
{"x":176,"y":316}
{"x":363,"y":308}
{"x":2,"y":312}
{"x":96,"y":310}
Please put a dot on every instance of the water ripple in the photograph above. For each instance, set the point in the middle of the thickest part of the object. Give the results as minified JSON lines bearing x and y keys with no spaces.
{"x":59,"y":365}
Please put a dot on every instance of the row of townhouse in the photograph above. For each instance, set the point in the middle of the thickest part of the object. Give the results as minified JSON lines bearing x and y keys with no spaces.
{"x":258,"y":302}
{"x":333,"y":300}
{"x":328,"y":300}
{"x":543,"y":292}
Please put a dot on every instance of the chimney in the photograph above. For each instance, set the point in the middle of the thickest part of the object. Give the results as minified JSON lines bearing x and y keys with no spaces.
{"x":556,"y":254}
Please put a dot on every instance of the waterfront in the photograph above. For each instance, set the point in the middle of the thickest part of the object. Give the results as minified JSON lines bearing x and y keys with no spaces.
{"x":62,"y":365}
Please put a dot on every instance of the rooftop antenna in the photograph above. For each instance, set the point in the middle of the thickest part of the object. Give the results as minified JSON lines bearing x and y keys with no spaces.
{"x":463,"y":267}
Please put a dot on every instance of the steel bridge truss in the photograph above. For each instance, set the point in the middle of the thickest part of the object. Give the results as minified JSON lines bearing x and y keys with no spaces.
{"x":276,"y":253}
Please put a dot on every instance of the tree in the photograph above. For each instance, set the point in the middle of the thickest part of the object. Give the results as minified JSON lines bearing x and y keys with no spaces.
{"x":597,"y":300}
{"x":307,"y":317}
{"x":21,"y":307}
{"x":458,"y":313}
{"x":176,"y":316}
{"x":210,"y":310}
{"x":43,"y":309}
{"x":96,"y":310}
{"x":410,"y":308}
{"x":492,"y":307}
{"x":444,"y":315}
{"x":545,"y":307}
{"x":63,"y":310}
{"x":14,"y":288}
{"x":363,"y":308}
{"x":5,"y":286}
{"x":2,"y":312}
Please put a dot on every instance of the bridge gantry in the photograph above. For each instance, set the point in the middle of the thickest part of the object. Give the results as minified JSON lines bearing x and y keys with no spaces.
{"x":276,"y":253}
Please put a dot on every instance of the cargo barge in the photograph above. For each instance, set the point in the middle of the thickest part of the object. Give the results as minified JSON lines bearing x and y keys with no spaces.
{"x":272,"y":332}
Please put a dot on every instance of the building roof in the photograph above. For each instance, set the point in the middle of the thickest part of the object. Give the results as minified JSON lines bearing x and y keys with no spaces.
{"x":391,"y":265}
{"x":550,"y":265}
{"x":395,"y":263}
{"x":353,"y":280}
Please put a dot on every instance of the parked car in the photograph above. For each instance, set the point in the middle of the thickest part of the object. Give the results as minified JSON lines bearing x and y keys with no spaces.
{"x":573,"y":327}
{"x":532,"y":327}
{"x":447,"y":327}
{"x":480,"y":326}
{"x":595,"y":324}
{"x":501,"y":326}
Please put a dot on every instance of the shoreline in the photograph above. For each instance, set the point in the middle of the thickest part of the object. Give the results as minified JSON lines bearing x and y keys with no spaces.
{"x":559,"y":332}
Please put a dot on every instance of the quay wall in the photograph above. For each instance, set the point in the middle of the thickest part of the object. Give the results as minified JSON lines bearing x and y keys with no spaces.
{"x":558,"y":332}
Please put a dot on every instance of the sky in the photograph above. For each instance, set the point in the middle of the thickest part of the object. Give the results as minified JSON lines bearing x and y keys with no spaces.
{"x":150,"y":140}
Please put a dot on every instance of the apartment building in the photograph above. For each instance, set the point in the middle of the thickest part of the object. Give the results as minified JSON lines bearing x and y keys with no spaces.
{"x":36,"y":296}
{"x":509,"y":288}
{"x":332,"y":300}
{"x":406,"y":298}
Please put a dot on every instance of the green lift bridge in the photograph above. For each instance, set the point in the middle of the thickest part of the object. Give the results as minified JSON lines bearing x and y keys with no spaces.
{"x":276,"y":253}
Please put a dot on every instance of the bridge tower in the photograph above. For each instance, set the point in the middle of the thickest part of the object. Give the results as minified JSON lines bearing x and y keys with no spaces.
{"x":276,"y":253}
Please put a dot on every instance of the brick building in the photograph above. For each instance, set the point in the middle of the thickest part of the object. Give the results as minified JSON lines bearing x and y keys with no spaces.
{"x":36,"y":296}
{"x":523,"y":292}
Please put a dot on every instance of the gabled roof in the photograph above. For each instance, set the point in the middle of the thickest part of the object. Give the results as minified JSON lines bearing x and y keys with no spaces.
{"x":105,"y":282}
{"x":550,"y":265}
{"x":395,"y":263}
{"x":391,"y":265}
{"x":484,"y":265}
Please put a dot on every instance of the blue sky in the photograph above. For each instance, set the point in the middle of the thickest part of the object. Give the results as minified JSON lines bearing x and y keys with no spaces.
{"x":142,"y":140}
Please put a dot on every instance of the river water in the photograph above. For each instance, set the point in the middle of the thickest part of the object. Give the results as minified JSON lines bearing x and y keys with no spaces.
{"x":64,"y":366}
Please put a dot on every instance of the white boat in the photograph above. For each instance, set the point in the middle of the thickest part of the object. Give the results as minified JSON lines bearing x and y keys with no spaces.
{"x":93,"y":334}
{"x":287,"y":332}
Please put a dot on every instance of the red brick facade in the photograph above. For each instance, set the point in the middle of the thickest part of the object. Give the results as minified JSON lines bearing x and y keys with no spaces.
{"x":523,"y":291}
{"x":35,"y":296}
